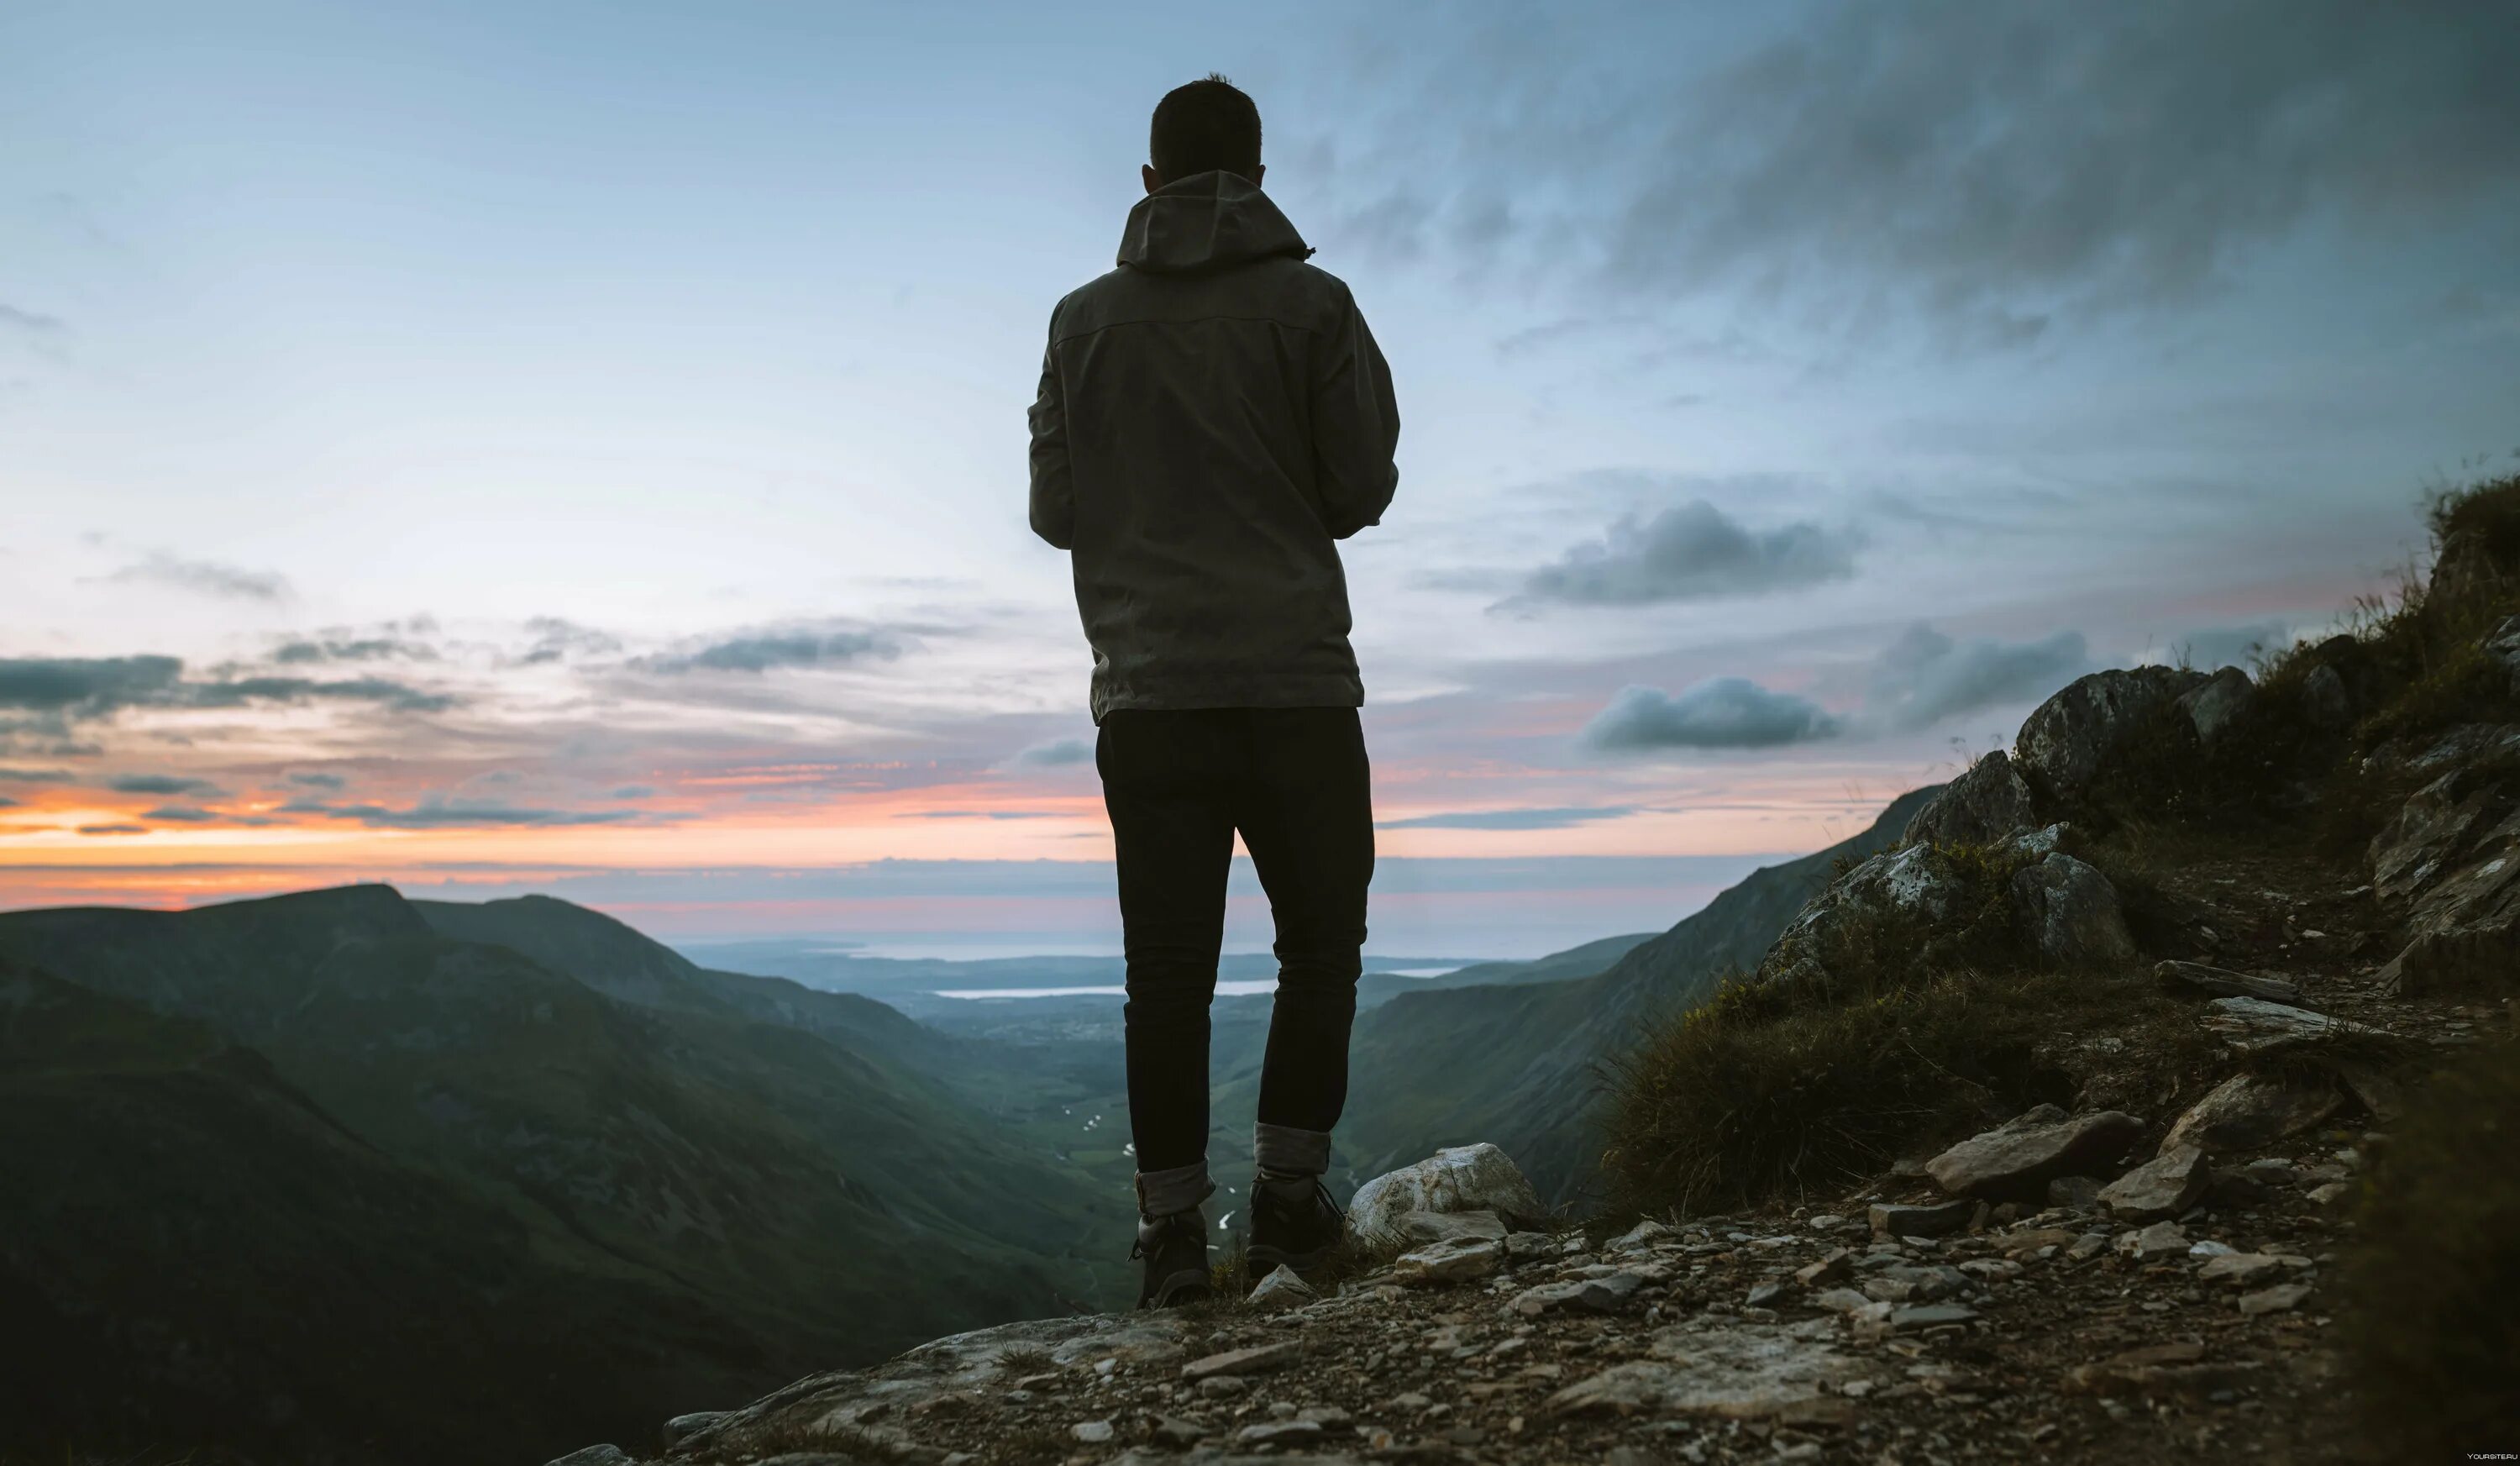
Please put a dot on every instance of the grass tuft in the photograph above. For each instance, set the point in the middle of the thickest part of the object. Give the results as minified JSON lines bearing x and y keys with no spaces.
{"x":2431,"y":1333}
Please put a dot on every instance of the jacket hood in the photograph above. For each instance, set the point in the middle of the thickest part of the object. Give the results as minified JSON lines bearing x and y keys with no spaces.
{"x":1203,"y":223}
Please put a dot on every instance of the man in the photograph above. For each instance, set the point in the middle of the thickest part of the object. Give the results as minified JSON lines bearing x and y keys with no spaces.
{"x":1213,"y":417}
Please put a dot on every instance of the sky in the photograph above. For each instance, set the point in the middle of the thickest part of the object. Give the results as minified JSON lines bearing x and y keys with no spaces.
{"x":578,"y":448}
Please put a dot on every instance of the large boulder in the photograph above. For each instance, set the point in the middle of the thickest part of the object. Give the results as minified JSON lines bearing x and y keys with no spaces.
{"x":2251,"y":1112}
{"x":2453,"y":851}
{"x":2069,"y":912}
{"x":1987,"y":803}
{"x":1914,"y":883}
{"x":1458,"y":1178}
{"x":2464,"y":932}
{"x":2431,"y":831}
{"x":2216,"y":705}
{"x":2019,"y":1158}
{"x":2072,"y":736}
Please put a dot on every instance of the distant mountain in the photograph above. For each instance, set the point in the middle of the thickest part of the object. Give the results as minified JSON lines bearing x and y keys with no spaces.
{"x":1584,"y":961}
{"x":194,"y":1253}
{"x":778,"y":1177}
{"x":1518,"y":1063}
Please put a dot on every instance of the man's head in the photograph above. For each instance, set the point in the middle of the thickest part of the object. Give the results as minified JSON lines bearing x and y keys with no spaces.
{"x":1202,"y":127}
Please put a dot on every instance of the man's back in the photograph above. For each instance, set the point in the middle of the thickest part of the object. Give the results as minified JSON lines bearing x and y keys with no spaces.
{"x":1213,"y":419}
{"x":1213,"y":415}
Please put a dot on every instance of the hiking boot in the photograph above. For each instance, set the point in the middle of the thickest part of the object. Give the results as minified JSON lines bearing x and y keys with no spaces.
{"x":1294,"y":1223}
{"x":1175,"y":1251}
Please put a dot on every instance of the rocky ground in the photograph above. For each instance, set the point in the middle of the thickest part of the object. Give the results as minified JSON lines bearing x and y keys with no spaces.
{"x":1818,"y":1337}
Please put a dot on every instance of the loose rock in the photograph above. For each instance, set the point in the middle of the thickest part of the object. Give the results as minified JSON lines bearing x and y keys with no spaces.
{"x":1455,"y":1261}
{"x":2282,"y":1298}
{"x":2018,"y":1157}
{"x":1254,"y":1361}
{"x":2164,"y":1187}
{"x":1282,"y":1289}
{"x":1462,"y":1179}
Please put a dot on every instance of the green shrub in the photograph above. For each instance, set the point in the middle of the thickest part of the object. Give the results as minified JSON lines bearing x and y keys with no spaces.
{"x":2430,"y":1284}
{"x":1761,"y":1096}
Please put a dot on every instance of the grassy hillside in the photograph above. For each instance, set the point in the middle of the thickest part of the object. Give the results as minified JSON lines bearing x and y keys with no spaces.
{"x":824,"y":1199}
{"x":1520,"y":1064}
{"x":196,"y":1254}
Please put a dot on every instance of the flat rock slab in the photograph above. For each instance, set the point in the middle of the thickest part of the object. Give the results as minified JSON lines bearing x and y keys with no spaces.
{"x":2221,"y":982}
{"x":2251,"y":1112}
{"x":957,"y":1363}
{"x":2178,"y":1368}
{"x":2254,"y":1026}
{"x":1459,"y":1260}
{"x":2282,"y":1298}
{"x":2241,"y":1270}
{"x":1747,"y":1372}
{"x":1238,"y":1361}
{"x":1451,"y":1226}
{"x":1602,"y":1295}
{"x":2019,"y":1157}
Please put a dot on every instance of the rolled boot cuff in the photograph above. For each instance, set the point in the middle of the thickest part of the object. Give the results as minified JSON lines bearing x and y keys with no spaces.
{"x":1287,"y":1151}
{"x":1162,"y":1193}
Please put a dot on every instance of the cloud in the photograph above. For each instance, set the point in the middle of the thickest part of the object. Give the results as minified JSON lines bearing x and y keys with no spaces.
{"x":634,"y":792}
{"x":161,"y":784}
{"x":1986,"y":169}
{"x":35,"y":775}
{"x":31,"y":322}
{"x":1690,"y":551}
{"x":1926,"y":676}
{"x":435,"y":814}
{"x":353,"y":648}
{"x":1059,"y":753}
{"x":85,"y":686}
{"x":7,"y":803}
{"x":399,"y":696}
{"x":989,"y":814}
{"x":62,"y":691}
{"x":767,"y":651}
{"x":1720,"y":712}
{"x":182,"y":814}
{"x":114,"y":829}
{"x":206,"y":578}
{"x":319,"y":781}
{"x":557,"y":640}
{"x":1510,"y":819}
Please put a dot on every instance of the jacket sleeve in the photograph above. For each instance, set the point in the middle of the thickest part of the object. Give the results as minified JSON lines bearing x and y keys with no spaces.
{"x":1356,"y":428}
{"x":1054,"y":492}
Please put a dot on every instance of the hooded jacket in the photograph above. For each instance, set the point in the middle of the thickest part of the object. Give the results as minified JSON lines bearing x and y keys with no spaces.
{"x":1213,"y":417}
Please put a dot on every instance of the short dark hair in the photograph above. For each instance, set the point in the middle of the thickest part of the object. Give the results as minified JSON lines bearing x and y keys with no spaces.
{"x":1204,"y":126}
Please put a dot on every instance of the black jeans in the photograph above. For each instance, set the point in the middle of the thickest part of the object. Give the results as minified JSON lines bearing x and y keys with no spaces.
{"x":1178,"y":785}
